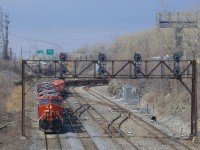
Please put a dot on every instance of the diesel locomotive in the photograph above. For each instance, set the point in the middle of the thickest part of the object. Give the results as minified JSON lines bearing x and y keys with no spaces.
{"x":50,"y":105}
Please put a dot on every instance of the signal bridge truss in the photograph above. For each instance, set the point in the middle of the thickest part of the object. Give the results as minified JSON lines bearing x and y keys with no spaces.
{"x":109,"y":69}
{"x":178,"y":19}
{"x":106,"y":69}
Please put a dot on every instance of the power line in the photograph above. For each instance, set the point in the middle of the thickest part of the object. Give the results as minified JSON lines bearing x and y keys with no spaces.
{"x":38,"y":40}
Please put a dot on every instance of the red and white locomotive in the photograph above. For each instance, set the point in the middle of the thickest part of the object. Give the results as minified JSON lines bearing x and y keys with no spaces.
{"x":50,"y":106}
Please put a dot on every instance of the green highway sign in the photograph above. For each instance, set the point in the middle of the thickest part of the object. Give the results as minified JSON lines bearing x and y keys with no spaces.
{"x":40,"y":51}
{"x":50,"y":51}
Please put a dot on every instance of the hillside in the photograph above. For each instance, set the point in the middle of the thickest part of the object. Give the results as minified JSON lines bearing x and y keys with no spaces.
{"x":169,"y":98}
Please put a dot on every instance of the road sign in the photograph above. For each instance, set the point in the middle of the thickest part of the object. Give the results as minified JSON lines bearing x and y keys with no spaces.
{"x":50,"y":51}
{"x":40,"y":51}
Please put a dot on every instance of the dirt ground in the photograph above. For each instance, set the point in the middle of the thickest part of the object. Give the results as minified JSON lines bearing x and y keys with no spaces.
{"x":171,"y":112}
{"x":11,"y":138}
{"x":172,"y":109}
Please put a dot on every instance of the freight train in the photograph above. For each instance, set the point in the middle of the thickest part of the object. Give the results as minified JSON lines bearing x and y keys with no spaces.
{"x":50,"y":105}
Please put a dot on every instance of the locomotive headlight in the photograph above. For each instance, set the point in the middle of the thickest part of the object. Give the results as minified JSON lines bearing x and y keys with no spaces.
{"x":50,"y":106}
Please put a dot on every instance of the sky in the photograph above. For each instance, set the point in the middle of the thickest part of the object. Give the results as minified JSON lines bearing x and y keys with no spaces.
{"x":70,"y":24}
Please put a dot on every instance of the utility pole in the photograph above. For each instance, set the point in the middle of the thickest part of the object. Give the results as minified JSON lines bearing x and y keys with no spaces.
{"x":6,"y":41}
{"x":11,"y":54}
{"x":21,"y":52}
{"x":1,"y":30}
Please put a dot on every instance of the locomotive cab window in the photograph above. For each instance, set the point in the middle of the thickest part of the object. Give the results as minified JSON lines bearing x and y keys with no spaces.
{"x":57,"y":101}
{"x":44,"y":101}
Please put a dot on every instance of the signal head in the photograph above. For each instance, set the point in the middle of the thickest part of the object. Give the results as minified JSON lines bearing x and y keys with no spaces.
{"x":101,"y":70}
{"x":137,"y":70}
{"x":63,"y":70}
{"x":176,"y":71}
{"x":102,"y":57}
{"x":176,"y":57}
{"x":137,"y":57}
{"x":63,"y":57}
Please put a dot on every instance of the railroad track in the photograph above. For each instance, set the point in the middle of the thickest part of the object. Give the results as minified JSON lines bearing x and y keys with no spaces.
{"x":72,"y":119}
{"x":108,"y":126}
{"x":157,"y":134}
{"x":52,"y":141}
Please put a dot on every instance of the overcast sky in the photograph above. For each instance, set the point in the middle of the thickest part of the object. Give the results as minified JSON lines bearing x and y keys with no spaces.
{"x":40,"y":24}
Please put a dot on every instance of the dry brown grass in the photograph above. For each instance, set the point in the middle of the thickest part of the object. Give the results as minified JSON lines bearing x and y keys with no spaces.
{"x":10,"y":106}
{"x":13,"y":66}
{"x":14,"y":100}
{"x":9,"y":71}
{"x":5,"y":90}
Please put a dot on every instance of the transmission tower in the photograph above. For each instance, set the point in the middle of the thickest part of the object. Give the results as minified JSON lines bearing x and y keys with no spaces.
{"x":6,"y":41}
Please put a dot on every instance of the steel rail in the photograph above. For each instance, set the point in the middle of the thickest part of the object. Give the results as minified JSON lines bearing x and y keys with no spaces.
{"x":119,"y":132}
{"x":80,"y":139}
{"x":58,"y":141}
{"x":75,"y":111}
{"x":84,"y":111}
{"x":140,"y":119}
{"x":114,"y":120}
{"x":103,"y":98}
{"x":71,"y":124}
{"x":46,"y":143}
{"x":123,"y":121}
{"x":95,"y":119}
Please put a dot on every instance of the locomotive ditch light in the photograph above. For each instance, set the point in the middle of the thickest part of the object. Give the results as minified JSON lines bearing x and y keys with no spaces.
{"x":63,"y":70}
{"x":101,"y":70}
{"x":102,"y":57}
{"x":176,"y":57}
{"x":63,"y":57}
{"x":137,"y":57}
{"x":137,"y":70}
{"x":176,"y":71}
